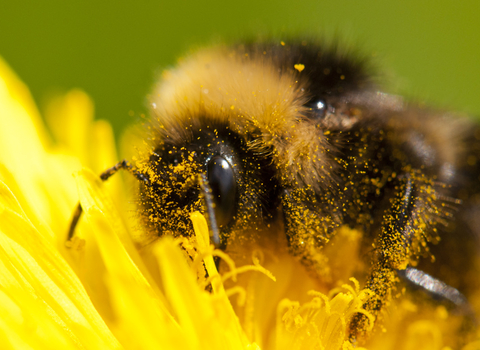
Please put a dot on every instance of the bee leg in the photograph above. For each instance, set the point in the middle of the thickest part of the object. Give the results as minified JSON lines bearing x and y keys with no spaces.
{"x":306,"y":230}
{"x":104,"y":176}
{"x":403,"y":231}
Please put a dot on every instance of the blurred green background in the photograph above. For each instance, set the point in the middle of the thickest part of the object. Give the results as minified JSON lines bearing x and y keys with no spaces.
{"x":112,"y":49}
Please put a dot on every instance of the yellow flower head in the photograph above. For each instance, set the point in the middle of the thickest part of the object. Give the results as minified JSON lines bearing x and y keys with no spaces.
{"x":106,"y":292}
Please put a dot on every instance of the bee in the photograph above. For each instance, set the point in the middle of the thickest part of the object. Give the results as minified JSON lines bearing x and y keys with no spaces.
{"x":300,"y":133}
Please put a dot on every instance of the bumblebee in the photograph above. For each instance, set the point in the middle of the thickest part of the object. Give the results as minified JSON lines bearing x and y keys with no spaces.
{"x":298,"y":135}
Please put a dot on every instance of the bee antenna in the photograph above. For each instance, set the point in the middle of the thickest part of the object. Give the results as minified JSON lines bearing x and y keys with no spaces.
{"x":105,"y":176}
{"x":210,"y":206}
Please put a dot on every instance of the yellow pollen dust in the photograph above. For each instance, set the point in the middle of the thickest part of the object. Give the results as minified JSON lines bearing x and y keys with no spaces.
{"x":299,"y":67}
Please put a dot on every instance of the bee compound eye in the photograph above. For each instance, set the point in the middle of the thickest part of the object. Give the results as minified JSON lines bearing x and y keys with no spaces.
{"x":222,"y":182}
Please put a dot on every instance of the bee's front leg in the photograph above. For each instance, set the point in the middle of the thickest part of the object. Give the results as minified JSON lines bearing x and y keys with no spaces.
{"x":407,"y":225}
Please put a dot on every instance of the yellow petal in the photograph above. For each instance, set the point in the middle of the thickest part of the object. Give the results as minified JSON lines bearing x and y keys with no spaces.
{"x":44,"y":298}
{"x":127,"y":279}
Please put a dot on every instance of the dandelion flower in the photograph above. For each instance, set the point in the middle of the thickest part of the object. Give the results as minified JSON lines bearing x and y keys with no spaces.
{"x":104,"y":292}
